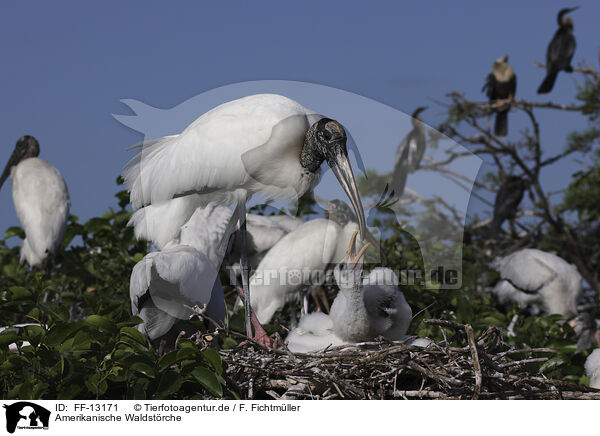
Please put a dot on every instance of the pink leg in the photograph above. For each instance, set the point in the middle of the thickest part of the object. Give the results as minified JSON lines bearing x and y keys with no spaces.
{"x":260,"y":335}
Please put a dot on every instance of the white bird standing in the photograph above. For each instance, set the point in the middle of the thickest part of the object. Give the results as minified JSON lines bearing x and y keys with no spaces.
{"x":265,"y":144}
{"x":592,"y":368}
{"x":166,"y":285}
{"x":540,"y":280}
{"x":41,"y":200}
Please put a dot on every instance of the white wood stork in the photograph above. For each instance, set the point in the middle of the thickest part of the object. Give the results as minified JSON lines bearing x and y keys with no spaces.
{"x":592,"y":368}
{"x":263,"y":233}
{"x":266,"y":143}
{"x":296,"y":261}
{"x":539,"y":280}
{"x":166,"y":285}
{"x":41,"y":200}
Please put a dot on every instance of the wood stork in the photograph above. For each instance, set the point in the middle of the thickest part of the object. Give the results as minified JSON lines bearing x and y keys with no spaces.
{"x":592,"y":368}
{"x":539,"y":280}
{"x":364,"y":308}
{"x":263,"y":233}
{"x":501,"y":84}
{"x":409,"y":154}
{"x":507,"y":201}
{"x":266,"y":144}
{"x":41,"y":200}
{"x":166,"y":285}
{"x":297,"y":261}
{"x":560,"y":51}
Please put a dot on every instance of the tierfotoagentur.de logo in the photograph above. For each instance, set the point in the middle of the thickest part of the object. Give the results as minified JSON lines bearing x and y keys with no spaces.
{"x":24,"y":415}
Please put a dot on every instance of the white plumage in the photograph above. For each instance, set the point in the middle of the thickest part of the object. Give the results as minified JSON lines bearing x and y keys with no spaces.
{"x":166,"y":285}
{"x":314,"y":332}
{"x":266,"y":143}
{"x":41,"y":200}
{"x":364,"y":309}
{"x":540,"y":280}
{"x":376,"y":308}
{"x":297,"y":260}
{"x":389,"y":313}
{"x":592,"y":368}
{"x":224,"y":153}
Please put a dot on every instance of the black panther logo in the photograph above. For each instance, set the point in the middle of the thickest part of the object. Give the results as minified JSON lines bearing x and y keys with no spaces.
{"x":29,"y":415}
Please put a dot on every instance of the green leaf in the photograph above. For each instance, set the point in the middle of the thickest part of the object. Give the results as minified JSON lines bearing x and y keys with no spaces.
{"x":143,"y":368}
{"x":7,"y":337}
{"x":134,"y":334}
{"x":209,"y":380}
{"x":100,"y":323}
{"x":14,"y":231}
{"x":554,"y":363}
{"x":213,"y":358}
{"x":169,"y":383}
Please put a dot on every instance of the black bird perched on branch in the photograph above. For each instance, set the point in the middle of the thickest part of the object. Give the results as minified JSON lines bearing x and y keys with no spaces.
{"x":409,"y":154}
{"x":560,"y":51}
{"x":501,"y":84}
{"x":508,"y":198}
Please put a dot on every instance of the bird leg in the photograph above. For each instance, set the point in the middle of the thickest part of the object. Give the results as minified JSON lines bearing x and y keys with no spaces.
{"x":245,"y":269}
{"x":260,"y":335}
{"x":320,"y":293}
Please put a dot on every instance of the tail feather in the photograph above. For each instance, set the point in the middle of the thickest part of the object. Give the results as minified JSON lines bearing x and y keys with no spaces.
{"x":501,"y":125}
{"x":548,"y":82}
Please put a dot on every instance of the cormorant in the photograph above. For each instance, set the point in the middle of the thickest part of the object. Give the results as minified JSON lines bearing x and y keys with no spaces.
{"x":501,"y":84}
{"x":409,"y":154}
{"x":560,"y":51}
{"x":507,"y":201}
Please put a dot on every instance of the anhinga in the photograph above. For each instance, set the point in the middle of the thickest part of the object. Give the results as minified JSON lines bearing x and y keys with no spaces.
{"x":501,"y":84}
{"x":560,"y":51}
{"x":409,"y":154}
{"x":508,"y":198}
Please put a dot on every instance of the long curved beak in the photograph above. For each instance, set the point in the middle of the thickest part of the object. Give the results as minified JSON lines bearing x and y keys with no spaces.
{"x":375,"y":243}
{"x":6,"y":172}
{"x":340,"y":165}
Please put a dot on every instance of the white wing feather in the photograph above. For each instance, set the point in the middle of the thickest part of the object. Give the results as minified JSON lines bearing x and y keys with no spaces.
{"x":207,"y":155}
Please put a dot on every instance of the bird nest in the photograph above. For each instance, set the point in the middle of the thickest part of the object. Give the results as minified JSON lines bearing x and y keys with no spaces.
{"x":484,"y":368}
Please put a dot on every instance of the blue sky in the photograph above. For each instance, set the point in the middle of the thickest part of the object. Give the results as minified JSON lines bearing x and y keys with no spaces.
{"x":66,"y":66}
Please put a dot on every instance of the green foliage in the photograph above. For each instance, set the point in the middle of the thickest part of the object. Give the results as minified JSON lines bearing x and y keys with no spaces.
{"x":90,"y":347}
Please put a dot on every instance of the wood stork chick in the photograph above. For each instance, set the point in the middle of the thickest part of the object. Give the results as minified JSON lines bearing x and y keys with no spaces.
{"x":41,"y":200}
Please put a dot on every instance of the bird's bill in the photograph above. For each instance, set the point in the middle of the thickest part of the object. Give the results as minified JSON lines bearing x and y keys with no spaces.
{"x":12,"y":161}
{"x":375,"y":243}
{"x":343,"y":172}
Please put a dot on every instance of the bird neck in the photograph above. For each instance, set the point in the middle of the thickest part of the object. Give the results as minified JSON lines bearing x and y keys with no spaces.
{"x":311,"y":156}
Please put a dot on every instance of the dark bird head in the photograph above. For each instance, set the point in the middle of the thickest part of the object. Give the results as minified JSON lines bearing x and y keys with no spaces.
{"x":516,"y":183}
{"x":415,"y":114}
{"x":26,"y":147}
{"x":565,"y":21}
{"x":326,"y":141}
